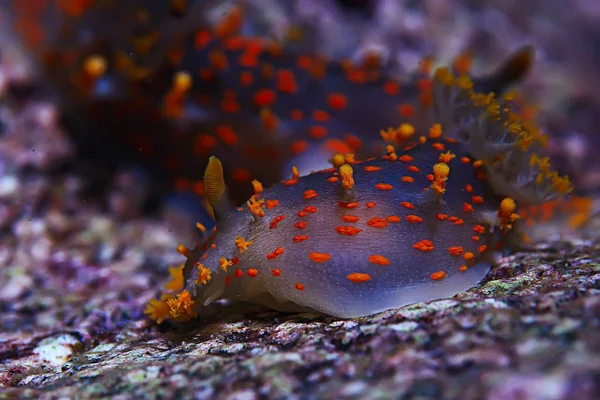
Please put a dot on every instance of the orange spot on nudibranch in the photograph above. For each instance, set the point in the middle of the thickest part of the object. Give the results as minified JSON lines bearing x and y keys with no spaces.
{"x":275,"y":221}
{"x":414,"y":219}
{"x":348,"y":230}
{"x":377,"y":222}
{"x":371,"y":204}
{"x":252,"y":272}
{"x":384,"y":186}
{"x":407,"y":205}
{"x":299,"y":286}
{"x":337,"y":101}
{"x":436,"y":276}
{"x":455,"y":250}
{"x":300,"y":238}
{"x":350,"y":218}
{"x":319,"y":257}
{"x":300,"y":225}
{"x":310,"y":194}
{"x":378,"y":259}
{"x":358,"y":277}
{"x":423,"y":245}
{"x":276,"y":253}
{"x":269,"y":204}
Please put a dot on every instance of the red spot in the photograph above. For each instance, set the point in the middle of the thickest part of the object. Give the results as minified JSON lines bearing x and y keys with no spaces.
{"x":413,"y":168}
{"x":276,"y":253}
{"x":436,"y":276}
{"x":348,"y":205}
{"x":202,"y":39}
{"x":227,"y":280}
{"x":348,"y":230}
{"x":227,"y":135}
{"x":271,"y":204}
{"x":252,"y":272}
{"x":372,"y":168}
{"x":406,"y":110}
{"x":477,"y":199}
{"x":319,"y":257}
{"x":371,"y":204}
{"x":439,"y":146}
{"x":317,"y":131}
{"x":424,"y":245}
{"x":310,"y":194}
{"x":296,"y":115}
{"x":393,"y":218}
{"x":241,"y":175}
{"x":379,"y":259}
{"x":480,"y":229}
{"x":353,"y":141}
{"x":264,"y":97}
{"x":239,"y":273}
{"x":337,"y":101}
{"x":276,"y":272}
{"x":456,"y":250}
{"x":406,"y":158}
{"x":276,"y":221}
{"x":300,"y":238}
{"x":337,"y":146}
{"x":384,"y":186}
{"x":299,"y":286}
{"x":407,"y":205}
{"x":320,"y":116}
{"x":310,"y":209}
{"x":350,"y":218}
{"x":391,"y":88}
{"x":414,"y":219}
{"x":300,"y":225}
{"x":377,"y":222}
{"x":299,"y":146}
{"x":286,"y":81}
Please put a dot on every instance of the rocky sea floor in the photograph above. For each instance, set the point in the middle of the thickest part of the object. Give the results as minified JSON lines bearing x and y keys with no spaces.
{"x":72,"y":326}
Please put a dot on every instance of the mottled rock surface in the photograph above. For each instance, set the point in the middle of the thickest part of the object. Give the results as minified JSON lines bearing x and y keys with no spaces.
{"x":529,"y":331}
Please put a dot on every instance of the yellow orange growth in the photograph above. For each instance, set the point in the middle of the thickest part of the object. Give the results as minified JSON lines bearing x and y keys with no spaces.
{"x":203,"y":274}
{"x":181,"y":307}
{"x":176,"y":282}
{"x":242,"y":244}
{"x":440,"y":174}
{"x":346,"y":173}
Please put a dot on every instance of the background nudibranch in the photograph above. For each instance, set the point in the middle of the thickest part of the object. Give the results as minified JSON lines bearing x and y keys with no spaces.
{"x":166,"y":89}
{"x":362,"y":237}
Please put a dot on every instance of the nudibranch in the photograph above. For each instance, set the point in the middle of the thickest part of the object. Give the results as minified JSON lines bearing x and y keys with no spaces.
{"x":414,"y":225}
{"x":171,"y":90}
